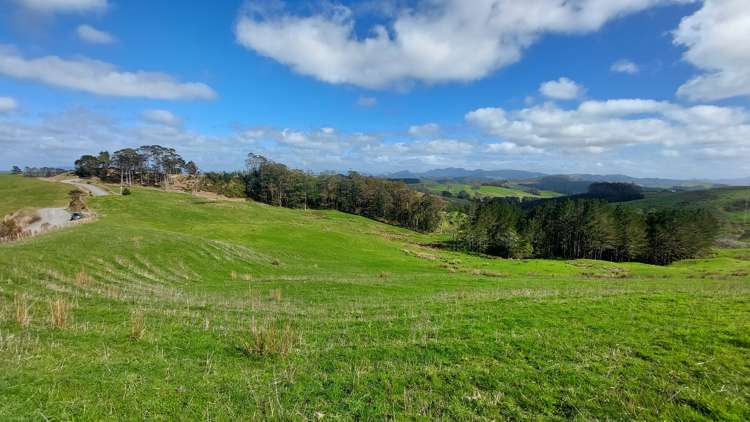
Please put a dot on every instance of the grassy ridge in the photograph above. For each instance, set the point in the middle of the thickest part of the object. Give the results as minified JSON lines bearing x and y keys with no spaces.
{"x":493,"y":191}
{"x":25,"y":192}
{"x":375,"y":324}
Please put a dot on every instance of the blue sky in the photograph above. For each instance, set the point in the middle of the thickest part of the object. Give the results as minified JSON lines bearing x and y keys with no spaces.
{"x":642,"y":87}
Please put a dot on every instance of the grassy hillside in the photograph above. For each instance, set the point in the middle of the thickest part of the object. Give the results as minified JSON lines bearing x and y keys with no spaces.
{"x":493,"y":191}
{"x":729,"y":204}
{"x":18,"y":192}
{"x":184,"y":308}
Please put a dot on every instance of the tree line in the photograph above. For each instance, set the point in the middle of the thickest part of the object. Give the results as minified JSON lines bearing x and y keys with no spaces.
{"x":149,"y":165}
{"x":586,"y":228}
{"x":37,"y":171}
{"x":274,"y":183}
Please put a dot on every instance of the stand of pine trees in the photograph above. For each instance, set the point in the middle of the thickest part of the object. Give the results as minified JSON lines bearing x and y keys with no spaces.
{"x":586,"y":228}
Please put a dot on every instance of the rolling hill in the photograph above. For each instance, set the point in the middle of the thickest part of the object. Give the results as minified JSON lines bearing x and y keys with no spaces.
{"x":731,"y":205}
{"x":178,"y":306}
{"x":485,"y":190}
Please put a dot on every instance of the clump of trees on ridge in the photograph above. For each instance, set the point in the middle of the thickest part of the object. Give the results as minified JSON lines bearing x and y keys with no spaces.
{"x":274,"y":183}
{"x":146,"y":165}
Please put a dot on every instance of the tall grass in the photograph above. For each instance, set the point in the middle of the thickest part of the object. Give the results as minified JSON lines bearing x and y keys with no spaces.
{"x":269,"y":337}
{"x":137,"y":325}
{"x":59,"y":313}
{"x":22,"y":310}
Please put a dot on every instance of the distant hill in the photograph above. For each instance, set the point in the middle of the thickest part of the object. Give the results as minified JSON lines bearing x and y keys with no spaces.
{"x":645,"y":182}
{"x":454,"y":172}
{"x":731,"y":205}
{"x":569,"y":184}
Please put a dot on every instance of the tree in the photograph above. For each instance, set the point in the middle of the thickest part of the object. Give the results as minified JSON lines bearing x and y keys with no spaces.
{"x":86,"y":166}
{"x":191,"y":168}
{"x":16,"y":170}
{"x":103,"y":163}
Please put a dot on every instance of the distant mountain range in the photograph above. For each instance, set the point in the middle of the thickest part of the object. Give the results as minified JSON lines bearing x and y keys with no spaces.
{"x":530,"y":177}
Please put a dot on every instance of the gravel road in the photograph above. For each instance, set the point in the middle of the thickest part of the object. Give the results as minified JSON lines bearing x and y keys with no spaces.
{"x":93,"y":189}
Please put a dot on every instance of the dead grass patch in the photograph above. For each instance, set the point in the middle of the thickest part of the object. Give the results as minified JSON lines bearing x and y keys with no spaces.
{"x":22,"y":309}
{"x":59,"y":313}
{"x":275,"y":295}
{"x":137,"y":324}
{"x":268,"y":337}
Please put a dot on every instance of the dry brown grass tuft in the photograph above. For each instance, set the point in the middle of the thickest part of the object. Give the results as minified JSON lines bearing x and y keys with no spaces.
{"x":137,"y":325}
{"x":268,"y":338}
{"x":82,"y":278}
{"x":22,"y":310}
{"x":275,"y":295}
{"x":233,"y":275}
{"x":59,"y":309}
{"x":247,"y":277}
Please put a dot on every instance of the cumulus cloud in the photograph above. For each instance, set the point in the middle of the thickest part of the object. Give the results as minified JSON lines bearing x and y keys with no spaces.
{"x":92,"y":35}
{"x":8,"y":104}
{"x":99,"y":77}
{"x":625,"y":66}
{"x":597,"y":126}
{"x":52,"y":6}
{"x":161,"y":117}
{"x":427,"y":129}
{"x":716,"y":38}
{"x":561,"y":89}
{"x":434,"y":41}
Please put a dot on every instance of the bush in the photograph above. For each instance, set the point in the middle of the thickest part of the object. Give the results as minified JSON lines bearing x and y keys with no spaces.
{"x":126,"y":191}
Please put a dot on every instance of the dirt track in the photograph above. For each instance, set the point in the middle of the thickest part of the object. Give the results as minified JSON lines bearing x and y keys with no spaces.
{"x":92,"y":189}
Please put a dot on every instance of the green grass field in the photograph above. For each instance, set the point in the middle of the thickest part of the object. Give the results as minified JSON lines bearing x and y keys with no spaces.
{"x":18,"y":192}
{"x":492,"y":191}
{"x":353,"y":320}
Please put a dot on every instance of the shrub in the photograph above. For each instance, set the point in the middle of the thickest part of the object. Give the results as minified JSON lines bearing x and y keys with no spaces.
{"x":10,"y":229}
{"x":125,"y":191}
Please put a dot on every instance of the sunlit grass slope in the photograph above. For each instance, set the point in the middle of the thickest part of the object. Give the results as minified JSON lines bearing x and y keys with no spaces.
{"x":492,"y":191}
{"x":18,"y":192}
{"x":184,"y":308}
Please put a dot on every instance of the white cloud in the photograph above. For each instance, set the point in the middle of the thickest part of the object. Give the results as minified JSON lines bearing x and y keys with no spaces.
{"x":92,"y":35}
{"x":161,"y":117}
{"x":99,"y":78}
{"x":8,"y":104}
{"x":59,"y":139}
{"x":597,"y":126}
{"x":365,"y":101}
{"x":716,"y":38}
{"x":511,"y":148}
{"x":427,"y":129}
{"x":433,"y":41}
{"x":625,"y":66}
{"x":561,"y":89}
{"x":51,"y":6}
